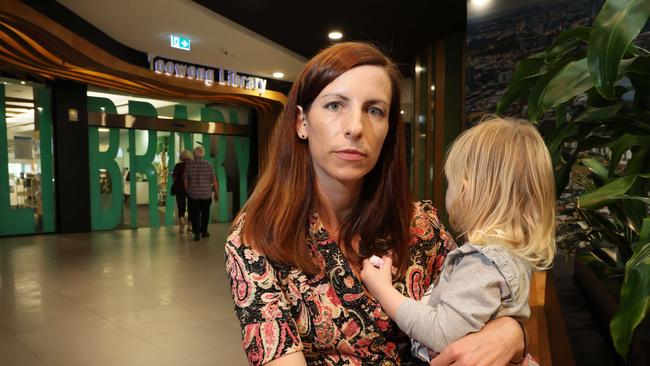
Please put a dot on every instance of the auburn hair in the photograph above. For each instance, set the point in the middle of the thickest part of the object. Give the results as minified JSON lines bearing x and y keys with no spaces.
{"x":278,"y":210}
{"x":502,"y":176}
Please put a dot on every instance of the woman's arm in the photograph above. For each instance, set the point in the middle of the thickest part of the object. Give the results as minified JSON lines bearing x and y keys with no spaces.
{"x":499,"y":343}
{"x":292,"y":359}
{"x":269,"y":331}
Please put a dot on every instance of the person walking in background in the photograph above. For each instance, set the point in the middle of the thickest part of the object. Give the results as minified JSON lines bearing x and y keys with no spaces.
{"x":178,"y":189}
{"x":200,"y":181}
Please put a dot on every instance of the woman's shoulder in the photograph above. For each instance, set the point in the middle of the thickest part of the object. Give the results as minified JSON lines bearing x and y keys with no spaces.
{"x":235,"y":236}
{"x":426,"y":226}
{"x":425,"y":215}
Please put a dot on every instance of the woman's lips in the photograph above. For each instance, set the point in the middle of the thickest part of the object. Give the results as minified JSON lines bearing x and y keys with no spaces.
{"x":350,"y":154}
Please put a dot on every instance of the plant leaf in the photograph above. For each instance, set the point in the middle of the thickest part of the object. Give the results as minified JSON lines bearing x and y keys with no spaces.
{"x":610,"y":230}
{"x":613,"y":190}
{"x":617,"y":24}
{"x":623,"y":144}
{"x":635,"y":198}
{"x":565,"y":42}
{"x":640,"y":162}
{"x":570,"y":82}
{"x":595,"y":114}
{"x":635,"y":300}
{"x":607,"y":193}
{"x":562,"y":176}
{"x":641,"y":65}
{"x":536,"y":90}
{"x":560,"y":134}
{"x":596,"y":167}
{"x":522,"y":80}
{"x":644,"y":234}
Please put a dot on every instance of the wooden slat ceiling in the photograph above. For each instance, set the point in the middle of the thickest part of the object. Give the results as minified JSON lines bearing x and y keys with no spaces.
{"x":31,"y":42}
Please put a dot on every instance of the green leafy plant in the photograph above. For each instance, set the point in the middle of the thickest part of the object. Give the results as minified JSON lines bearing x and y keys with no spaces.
{"x":593,"y":85}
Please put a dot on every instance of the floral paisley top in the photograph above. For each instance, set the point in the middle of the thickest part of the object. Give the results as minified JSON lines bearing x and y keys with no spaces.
{"x":329,"y":317}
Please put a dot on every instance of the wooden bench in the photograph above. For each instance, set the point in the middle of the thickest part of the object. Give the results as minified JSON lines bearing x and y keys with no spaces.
{"x":548,"y":339}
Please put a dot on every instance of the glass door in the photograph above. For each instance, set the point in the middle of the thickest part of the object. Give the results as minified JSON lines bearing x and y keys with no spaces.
{"x":26,"y":180}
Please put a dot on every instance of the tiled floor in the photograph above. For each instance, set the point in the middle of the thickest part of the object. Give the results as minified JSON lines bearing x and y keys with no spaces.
{"x":128,"y":297}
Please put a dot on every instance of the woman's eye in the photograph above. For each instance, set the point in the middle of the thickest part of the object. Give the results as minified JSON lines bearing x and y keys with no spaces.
{"x":375,"y":112}
{"x":333,"y":106}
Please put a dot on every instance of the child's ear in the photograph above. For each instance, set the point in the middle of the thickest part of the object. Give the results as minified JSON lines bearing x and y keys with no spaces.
{"x":460,"y":188}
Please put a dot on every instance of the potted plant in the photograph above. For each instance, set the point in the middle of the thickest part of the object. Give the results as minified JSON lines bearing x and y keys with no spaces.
{"x":590,"y":94}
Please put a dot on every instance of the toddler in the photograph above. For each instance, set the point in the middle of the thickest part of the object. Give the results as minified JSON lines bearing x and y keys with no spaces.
{"x":501,"y":201}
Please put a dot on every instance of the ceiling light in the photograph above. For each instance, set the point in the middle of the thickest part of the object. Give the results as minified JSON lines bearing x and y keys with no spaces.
{"x":480,"y":4}
{"x":103,"y":130}
{"x":278,"y":75}
{"x":335,"y":35}
{"x":23,"y":82}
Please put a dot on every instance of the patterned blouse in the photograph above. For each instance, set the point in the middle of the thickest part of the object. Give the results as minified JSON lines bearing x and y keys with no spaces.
{"x":329,"y":317}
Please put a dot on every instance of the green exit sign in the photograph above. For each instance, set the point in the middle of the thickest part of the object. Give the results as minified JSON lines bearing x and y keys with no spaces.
{"x":180,"y":42}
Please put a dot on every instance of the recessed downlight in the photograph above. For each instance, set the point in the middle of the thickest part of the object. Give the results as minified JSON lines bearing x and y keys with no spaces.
{"x":278,"y":75}
{"x":335,"y":35}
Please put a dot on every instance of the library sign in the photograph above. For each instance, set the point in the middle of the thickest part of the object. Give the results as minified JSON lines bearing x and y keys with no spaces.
{"x":205,"y":74}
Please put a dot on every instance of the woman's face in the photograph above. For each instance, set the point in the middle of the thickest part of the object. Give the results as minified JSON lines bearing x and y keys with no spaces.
{"x":347,"y":124}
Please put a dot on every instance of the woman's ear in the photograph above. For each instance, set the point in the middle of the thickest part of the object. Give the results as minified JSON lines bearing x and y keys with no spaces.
{"x":301,"y":123}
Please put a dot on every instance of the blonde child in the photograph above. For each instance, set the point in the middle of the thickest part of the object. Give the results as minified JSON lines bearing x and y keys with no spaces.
{"x":501,"y":201}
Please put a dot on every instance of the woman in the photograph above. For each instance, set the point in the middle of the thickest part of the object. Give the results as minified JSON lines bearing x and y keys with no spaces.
{"x":334,"y":192}
{"x":179,"y":189}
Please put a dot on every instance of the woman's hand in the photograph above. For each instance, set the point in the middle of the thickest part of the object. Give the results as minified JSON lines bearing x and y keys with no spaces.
{"x":498,"y":343}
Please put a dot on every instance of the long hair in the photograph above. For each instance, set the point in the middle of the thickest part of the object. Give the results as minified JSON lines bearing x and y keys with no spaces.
{"x":277,"y":213}
{"x":505,"y":192}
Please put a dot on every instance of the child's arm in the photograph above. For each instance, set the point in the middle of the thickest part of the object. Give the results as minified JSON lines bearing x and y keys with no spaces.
{"x":468,"y":299}
{"x":379,"y":282}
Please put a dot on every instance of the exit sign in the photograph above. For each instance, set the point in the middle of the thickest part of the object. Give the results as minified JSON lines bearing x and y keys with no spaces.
{"x":180,"y":42}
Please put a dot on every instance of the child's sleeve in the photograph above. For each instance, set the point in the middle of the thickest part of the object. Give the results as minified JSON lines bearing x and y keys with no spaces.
{"x":468,"y":298}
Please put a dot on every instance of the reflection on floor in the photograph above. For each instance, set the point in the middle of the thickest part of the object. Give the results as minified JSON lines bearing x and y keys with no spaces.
{"x":126,"y":297}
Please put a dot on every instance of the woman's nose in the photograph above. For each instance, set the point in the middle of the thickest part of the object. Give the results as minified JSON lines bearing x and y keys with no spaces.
{"x":354,"y":127}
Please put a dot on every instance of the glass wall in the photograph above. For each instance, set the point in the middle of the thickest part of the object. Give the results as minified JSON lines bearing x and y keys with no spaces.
{"x":438,"y":113}
{"x":131,"y":168}
{"x":423,"y":127}
{"x":26,"y":179}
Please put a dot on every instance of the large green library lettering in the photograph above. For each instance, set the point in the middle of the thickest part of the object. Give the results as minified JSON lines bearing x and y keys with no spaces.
{"x":130,"y":168}
{"x":26,"y":168}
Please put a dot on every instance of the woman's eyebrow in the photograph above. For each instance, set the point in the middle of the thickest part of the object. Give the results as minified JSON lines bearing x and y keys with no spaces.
{"x":336,"y":95}
{"x":377,"y":101}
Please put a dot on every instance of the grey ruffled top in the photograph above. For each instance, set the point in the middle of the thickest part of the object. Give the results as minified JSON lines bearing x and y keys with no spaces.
{"x":477,"y":284}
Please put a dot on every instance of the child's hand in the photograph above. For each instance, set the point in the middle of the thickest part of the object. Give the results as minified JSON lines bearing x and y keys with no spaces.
{"x":377,"y":280}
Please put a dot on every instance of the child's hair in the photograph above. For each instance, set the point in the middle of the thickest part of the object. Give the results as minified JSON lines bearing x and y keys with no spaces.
{"x":505,"y":191}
